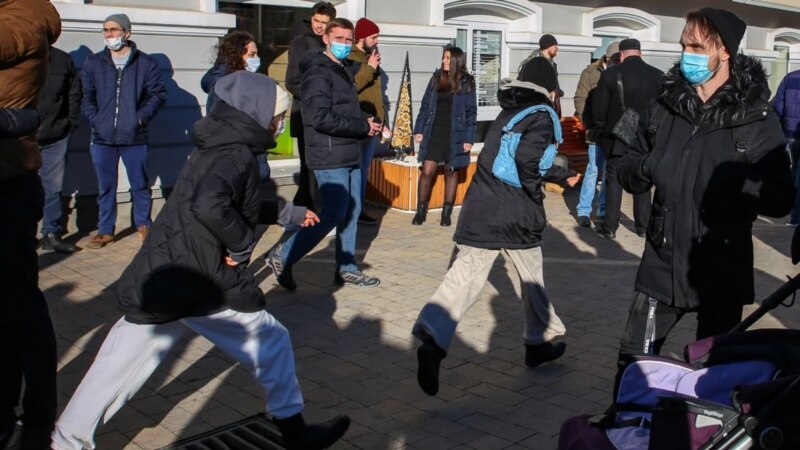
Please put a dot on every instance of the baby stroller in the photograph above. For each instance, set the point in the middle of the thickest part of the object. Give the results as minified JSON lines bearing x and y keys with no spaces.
{"x":730,"y":392}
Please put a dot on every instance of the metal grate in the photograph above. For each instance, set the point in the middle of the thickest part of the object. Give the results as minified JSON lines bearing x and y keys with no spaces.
{"x":257,"y":433}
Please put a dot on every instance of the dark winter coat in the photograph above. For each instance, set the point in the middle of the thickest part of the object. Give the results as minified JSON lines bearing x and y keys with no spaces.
{"x":640,"y":82}
{"x":463,"y":122}
{"x":787,"y":104}
{"x":121,"y":117}
{"x":332,"y":118}
{"x":209,"y":80}
{"x":304,"y":46}
{"x":495,"y":214}
{"x":59,"y":99}
{"x":715,"y":167}
{"x":18,"y":122}
{"x":27,"y":30}
{"x":212,"y":212}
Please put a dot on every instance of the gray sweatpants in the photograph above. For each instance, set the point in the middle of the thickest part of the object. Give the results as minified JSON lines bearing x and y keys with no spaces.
{"x":463,"y":283}
{"x":131,"y":353}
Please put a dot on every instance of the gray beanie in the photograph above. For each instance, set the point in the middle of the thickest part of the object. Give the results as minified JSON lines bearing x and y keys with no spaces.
{"x":254,"y":94}
{"x":121,"y":19}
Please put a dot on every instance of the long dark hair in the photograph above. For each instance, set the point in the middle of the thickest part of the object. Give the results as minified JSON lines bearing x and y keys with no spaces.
{"x":231,"y":49}
{"x":450,"y":81}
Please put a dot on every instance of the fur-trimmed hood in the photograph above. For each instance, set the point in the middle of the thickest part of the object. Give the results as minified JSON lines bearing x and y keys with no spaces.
{"x":745,"y":91}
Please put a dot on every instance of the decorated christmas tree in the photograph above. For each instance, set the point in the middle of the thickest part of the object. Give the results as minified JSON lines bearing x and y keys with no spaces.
{"x":402,"y":128}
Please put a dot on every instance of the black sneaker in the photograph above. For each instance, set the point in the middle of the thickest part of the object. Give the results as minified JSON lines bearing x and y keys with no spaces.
{"x":282,"y":273}
{"x":364,"y":219}
{"x":604,"y":232}
{"x":53,"y":242}
{"x":355,"y":278}
{"x":584,"y":221}
{"x":536,"y":355}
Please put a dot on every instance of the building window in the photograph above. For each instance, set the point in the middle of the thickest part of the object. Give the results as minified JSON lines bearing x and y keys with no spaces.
{"x":484,"y":51}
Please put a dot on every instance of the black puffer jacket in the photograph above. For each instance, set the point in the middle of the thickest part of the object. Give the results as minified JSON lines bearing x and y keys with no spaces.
{"x":715,"y":167}
{"x":498,"y":215}
{"x":212,"y":211}
{"x":332,"y":118}
{"x":59,"y":99}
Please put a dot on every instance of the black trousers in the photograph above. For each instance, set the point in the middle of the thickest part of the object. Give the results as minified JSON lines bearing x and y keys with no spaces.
{"x":307,"y":193}
{"x":641,"y":202}
{"x":710,"y":322}
{"x":27,"y":340}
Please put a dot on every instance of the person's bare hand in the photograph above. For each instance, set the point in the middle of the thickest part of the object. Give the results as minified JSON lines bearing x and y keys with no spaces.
{"x":374,"y":127}
{"x":230,"y":262}
{"x":418,"y":138}
{"x":572,"y":181}
{"x":374,"y":60}
{"x":467,"y":147}
{"x":310,"y":220}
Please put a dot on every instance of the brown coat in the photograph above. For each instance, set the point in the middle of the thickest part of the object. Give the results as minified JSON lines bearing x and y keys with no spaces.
{"x":28,"y":28}
{"x":588,"y":81}
{"x":368,"y":83}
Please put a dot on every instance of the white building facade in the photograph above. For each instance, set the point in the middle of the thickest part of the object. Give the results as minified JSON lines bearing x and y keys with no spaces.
{"x":496,"y":35}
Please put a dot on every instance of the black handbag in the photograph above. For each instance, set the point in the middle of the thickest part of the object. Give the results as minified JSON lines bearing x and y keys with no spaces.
{"x":626,"y":127}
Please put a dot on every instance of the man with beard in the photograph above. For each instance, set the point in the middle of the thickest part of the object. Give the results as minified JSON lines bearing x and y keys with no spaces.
{"x":714,"y":151}
{"x":544,"y":69}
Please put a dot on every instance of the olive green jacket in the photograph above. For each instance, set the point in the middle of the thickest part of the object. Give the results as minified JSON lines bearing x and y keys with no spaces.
{"x":368,"y":84}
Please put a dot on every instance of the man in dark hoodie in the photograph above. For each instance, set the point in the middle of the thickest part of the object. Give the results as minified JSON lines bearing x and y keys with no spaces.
{"x":498,"y":217}
{"x":191,"y":274}
{"x":713,"y":149}
{"x":306,"y":44}
{"x":59,"y":108}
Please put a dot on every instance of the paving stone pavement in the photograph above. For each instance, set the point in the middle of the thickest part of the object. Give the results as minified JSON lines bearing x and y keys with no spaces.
{"x":354,"y":350}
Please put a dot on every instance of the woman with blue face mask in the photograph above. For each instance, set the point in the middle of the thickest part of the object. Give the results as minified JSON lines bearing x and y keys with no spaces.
{"x":237,"y":51}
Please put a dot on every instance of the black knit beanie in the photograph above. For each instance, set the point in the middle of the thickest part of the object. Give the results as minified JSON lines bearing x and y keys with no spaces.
{"x":729,"y":26}
{"x":547,"y":41}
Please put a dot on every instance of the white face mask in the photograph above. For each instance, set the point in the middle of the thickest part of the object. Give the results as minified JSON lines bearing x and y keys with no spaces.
{"x":281,"y":128}
{"x":252,"y":64}
{"x":114,"y":44}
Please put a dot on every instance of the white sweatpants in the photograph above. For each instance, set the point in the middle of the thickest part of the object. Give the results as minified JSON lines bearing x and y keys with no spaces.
{"x":131,"y":353}
{"x":463,"y":283}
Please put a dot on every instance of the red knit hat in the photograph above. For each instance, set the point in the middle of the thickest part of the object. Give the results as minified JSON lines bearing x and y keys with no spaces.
{"x":366,"y":28}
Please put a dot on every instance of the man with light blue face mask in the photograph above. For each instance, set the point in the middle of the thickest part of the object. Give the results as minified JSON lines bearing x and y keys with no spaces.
{"x":334,"y":126}
{"x":122,"y":92}
{"x":714,"y":151}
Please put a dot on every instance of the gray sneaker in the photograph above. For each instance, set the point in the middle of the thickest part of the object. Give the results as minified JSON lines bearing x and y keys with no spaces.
{"x":355,"y":278}
{"x":283,"y":274}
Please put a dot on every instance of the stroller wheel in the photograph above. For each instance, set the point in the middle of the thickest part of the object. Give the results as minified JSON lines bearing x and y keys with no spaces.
{"x":771,"y":438}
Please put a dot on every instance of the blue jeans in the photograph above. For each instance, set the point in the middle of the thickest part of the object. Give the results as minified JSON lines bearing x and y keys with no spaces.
{"x":341,"y":205}
{"x":54,"y":163}
{"x":794,"y":152}
{"x":368,"y":146}
{"x":106,"y":163}
{"x":596,"y":166}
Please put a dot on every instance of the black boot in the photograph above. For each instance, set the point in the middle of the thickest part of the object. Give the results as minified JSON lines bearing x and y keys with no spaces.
{"x":422,"y":213}
{"x":53,"y":242}
{"x":447,"y":210}
{"x":429,"y":358}
{"x":297,"y":435}
{"x":542,"y":353}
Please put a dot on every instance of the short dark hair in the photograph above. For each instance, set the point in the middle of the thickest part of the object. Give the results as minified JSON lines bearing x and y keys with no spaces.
{"x":324,"y":8}
{"x":339,"y":22}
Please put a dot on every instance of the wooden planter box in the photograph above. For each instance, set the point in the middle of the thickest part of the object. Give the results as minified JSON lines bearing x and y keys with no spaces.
{"x":394,"y":183}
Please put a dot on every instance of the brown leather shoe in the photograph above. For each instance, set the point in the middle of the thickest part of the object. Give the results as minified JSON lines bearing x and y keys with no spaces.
{"x":143,"y":231}
{"x":99,"y":240}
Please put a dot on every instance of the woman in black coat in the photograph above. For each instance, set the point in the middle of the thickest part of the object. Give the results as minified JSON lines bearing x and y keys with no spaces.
{"x":498,"y":217}
{"x":445,"y":129}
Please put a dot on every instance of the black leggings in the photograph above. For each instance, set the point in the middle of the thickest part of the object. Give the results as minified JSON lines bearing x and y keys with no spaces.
{"x":428,"y":175}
